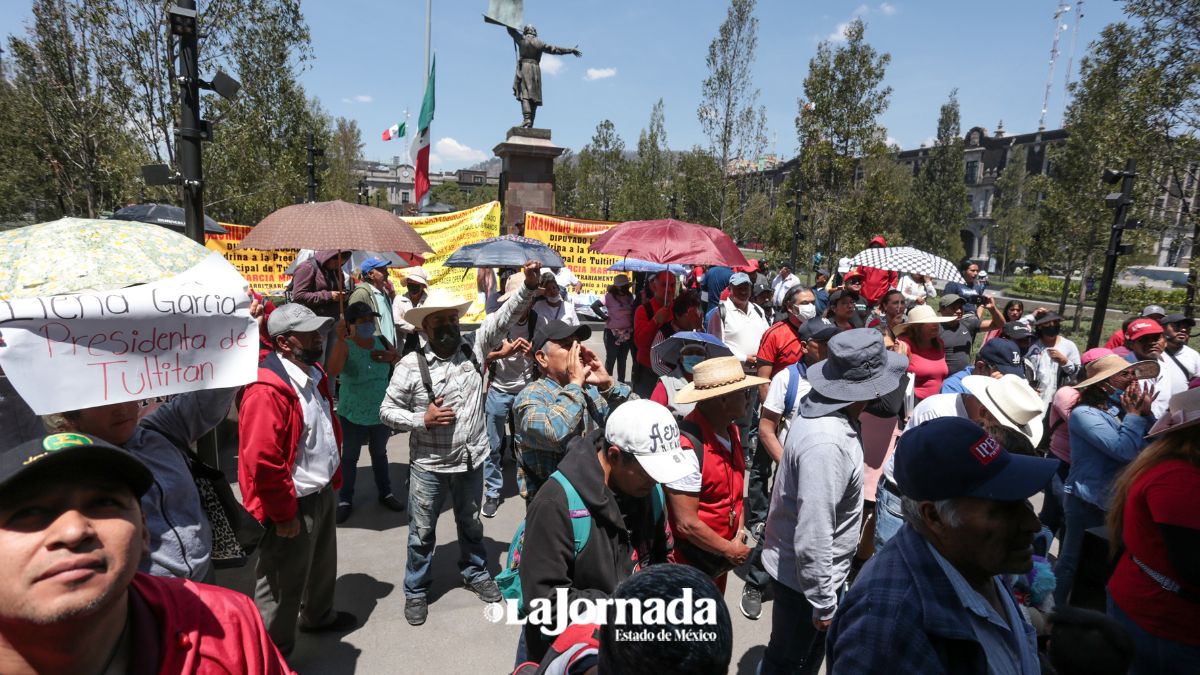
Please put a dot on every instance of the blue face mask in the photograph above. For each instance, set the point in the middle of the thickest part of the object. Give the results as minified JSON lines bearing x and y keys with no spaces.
{"x":689,"y":362}
{"x":1115,"y":397}
{"x":364,"y":330}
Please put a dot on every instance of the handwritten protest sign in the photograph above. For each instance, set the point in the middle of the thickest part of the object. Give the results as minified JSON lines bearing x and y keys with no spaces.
{"x":446,"y":234}
{"x":189,"y":332}
{"x":572,"y":238}
{"x":262,"y":269}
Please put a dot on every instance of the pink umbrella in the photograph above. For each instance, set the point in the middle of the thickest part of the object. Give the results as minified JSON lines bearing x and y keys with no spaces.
{"x":670,"y":241}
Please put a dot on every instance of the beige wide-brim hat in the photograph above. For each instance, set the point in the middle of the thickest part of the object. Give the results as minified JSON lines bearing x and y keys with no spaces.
{"x":1183,"y":412}
{"x":417,"y":274}
{"x":1011,"y":401}
{"x":438,"y":301}
{"x":1106,"y":366}
{"x":921,"y":314}
{"x":716,"y":377}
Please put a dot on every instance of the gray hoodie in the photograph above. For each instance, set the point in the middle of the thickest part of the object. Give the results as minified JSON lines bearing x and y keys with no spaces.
{"x":180,"y":534}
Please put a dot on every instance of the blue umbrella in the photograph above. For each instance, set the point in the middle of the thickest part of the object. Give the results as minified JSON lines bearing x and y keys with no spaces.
{"x":637,"y":265}
{"x":665,"y":355}
{"x":507,"y":250}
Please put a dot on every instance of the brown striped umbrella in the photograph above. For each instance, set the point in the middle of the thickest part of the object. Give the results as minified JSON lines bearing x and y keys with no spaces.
{"x":335,"y":225}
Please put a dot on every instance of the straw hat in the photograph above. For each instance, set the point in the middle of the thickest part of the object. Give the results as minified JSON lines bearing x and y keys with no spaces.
{"x":717,"y":377}
{"x":417,"y":274}
{"x":1182,"y":412}
{"x":1011,"y":401}
{"x":919,"y":315}
{"x":438,"y":301}
{"x":1106,"y":366}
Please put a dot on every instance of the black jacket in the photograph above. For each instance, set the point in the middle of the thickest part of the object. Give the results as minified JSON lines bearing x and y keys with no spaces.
{"x":622,"y":531}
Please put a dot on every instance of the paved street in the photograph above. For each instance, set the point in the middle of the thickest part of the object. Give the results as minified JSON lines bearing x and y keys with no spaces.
{"x":456,"y":638}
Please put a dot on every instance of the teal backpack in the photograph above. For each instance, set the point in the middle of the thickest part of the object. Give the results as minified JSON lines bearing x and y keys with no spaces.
{"x":509,"y":579}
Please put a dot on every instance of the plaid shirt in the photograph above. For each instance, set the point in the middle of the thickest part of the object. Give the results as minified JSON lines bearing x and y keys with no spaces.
{"x":462,"y":445}
{"x":904,"y":616}
{"x":546,"y":413}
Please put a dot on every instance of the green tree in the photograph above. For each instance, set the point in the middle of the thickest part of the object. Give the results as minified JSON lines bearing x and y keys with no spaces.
{"x":649,"y":176}
{"x":696,"y":201}
{"x":729,"y":112}
{"x":941,"y":208}
{"x":601,"y":168}
{"x":1015,"y":207}
{"x":343,"y":155}
{"x":566,"y":185}
{"x":836,"y":125}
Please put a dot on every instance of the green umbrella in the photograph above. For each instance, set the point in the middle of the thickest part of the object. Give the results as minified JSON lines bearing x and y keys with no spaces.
{"x":74,"y":255}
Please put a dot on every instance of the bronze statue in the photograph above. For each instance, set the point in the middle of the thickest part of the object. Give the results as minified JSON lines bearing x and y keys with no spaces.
{"x":527,"y":83}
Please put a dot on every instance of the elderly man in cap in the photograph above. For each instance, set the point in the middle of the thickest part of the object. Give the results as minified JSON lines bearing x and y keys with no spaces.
{"x":707,"y":515}
{"x":375,"y":292}
{"x":614,"y":474}
{"x":72,"y":600}
{"x":1145,"y":340}
{"x":781,"y":283}
{"x":416,"y":291}
{"x":289,"y":465}
{"x":572,"y":397}
{"x":933,"y":600}
{"x":437,"y":395}
{"x":958,"y":336}
{"x":997,"y":357}
{"x":1117,"y":339}
{"x":816,"y":506}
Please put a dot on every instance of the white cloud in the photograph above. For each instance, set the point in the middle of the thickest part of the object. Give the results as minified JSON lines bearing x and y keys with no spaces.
{"x":600,"y":73}
{"x":552,"y":65}
{"x":449,"y":151}
{"x":839,"y":33}
{"x":892,"y":140}
{"x":862,"y":10}
{"x":359,"y":98}
{"x":887,"y":8}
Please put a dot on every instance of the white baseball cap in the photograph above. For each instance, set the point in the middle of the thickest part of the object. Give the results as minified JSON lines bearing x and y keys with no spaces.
{"x":648,"y":431}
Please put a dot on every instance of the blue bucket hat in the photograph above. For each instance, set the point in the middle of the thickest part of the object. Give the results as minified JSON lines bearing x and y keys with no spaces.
{"x":952,"y":457}
{"x":859,"y":368}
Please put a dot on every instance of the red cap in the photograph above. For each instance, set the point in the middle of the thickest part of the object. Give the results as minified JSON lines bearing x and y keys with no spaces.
{"x":879,"y":240}
{"x":855,"y":272}
{"x":1141,"y":328}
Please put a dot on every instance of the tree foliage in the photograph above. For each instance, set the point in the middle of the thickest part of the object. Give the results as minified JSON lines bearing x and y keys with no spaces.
{"x":730,"y":116}
{"x":343,"y":155}
{"x":1015,"y":207}
{"x":940,"y":209}
{"x":650,"y":175}
{"x":601,"y":172}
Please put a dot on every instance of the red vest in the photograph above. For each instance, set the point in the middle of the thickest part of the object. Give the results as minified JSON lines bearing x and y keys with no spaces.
{"x":722,"y":478}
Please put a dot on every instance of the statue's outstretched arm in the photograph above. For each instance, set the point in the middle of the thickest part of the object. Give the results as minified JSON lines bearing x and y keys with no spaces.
{"x":551,"y":49}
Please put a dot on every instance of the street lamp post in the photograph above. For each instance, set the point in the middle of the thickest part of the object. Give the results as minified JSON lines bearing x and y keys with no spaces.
{"x":1120,"y":202}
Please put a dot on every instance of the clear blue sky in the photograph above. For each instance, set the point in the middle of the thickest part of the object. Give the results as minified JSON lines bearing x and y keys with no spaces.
{"x":368,"y":58}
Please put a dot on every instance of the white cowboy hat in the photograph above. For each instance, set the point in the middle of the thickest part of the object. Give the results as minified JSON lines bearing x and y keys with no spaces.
{"x":716,"y":377}
{"x":417,"y":274}
{"x":438,"y":301}
{"x":1182,"y":412}
{"x":921,"y":314}
{"x":1011,"y":401}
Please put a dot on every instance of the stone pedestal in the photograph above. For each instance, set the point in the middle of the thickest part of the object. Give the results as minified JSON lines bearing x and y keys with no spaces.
{"x":527,"y":174}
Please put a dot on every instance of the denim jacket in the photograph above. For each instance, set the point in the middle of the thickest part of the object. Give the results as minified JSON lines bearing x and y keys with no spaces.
{"x":1101,"y":445}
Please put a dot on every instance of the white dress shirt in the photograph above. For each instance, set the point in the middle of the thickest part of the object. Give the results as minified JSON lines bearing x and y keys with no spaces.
{"x":317,"y":456}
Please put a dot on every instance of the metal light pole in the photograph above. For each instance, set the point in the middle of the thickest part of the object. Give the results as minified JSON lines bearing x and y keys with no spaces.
{"x":313,"y":153}
{"x":192,"y":130}
{"x":1120,"y":201}
{"x":672,"y":204}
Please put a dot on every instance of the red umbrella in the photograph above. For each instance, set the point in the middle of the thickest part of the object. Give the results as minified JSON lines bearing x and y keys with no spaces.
{"x":670,"y":241}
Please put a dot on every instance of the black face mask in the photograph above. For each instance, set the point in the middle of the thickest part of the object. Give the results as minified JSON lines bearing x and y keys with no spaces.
{"x":1050,"y":331}
{"x":311,"y":356}
{"x":446,"y":337}
{"x":415,"y":289}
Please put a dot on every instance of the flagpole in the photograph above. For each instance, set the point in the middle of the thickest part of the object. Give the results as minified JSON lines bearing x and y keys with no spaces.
{"x":428,"y":23}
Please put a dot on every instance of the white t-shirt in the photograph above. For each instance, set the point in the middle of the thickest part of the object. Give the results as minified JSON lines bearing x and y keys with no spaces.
{"x":566,"y":280}
{"x":934,"y":407}
{"x":777,"y":398}
{"x":693,"y":482}
{"x":1172,"y":379}
{"x":741,"y":331}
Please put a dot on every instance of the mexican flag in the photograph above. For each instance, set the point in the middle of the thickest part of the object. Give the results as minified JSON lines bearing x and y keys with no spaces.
{"x":394,"y":131}
{"x":421,"y":143}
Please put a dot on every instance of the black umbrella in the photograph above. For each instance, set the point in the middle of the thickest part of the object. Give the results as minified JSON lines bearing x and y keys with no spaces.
{"x":508,"y":250}
{"x":165,"y":215}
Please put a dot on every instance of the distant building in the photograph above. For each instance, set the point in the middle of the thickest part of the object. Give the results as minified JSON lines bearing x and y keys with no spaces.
{"x":393,"y":182}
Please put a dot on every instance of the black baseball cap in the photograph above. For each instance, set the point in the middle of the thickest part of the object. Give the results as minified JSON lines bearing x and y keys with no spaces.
{"x":55,"y":451}
{"x":1017,"y":330}
{"x":951,"y":457}
{"x":358,"y":310}
{"x":817,"y":329}
{"x":1177,"y":319}
{"x":559,"y":330}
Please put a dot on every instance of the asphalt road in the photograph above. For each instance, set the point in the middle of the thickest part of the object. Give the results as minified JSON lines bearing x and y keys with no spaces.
{"x":372,"y":549}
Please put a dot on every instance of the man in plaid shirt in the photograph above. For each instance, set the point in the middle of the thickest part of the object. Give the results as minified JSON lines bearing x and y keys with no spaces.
{"x":573,"y":397}
{"x":437,"y":395}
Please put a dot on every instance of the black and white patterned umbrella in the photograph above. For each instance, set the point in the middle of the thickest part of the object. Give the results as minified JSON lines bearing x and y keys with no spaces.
{"x":908,"y":260}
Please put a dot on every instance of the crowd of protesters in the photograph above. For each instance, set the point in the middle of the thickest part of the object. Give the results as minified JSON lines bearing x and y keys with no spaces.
{"x":851,"y":449}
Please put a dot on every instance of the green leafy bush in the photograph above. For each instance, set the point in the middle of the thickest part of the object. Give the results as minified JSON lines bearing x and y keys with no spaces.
{"x":1129,"y":299}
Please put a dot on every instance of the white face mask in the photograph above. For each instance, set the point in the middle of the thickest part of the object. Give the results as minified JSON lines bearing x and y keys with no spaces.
{"x":806,"y":310}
